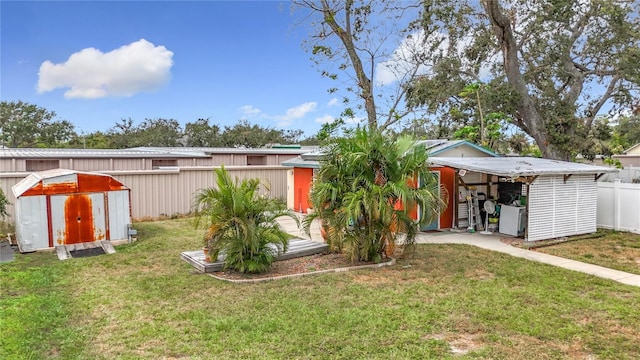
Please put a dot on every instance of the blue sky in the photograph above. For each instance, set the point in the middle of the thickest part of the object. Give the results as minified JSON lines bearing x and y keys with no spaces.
{"x":94,"y":63}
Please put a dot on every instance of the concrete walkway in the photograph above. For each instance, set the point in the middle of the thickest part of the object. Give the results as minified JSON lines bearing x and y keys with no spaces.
{"x":489,"y":242}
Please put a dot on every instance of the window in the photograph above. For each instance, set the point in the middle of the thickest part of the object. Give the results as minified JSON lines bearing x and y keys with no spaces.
{"x":158,"y":164}
{"x":40,"y":165}
{"x":256,"y":160}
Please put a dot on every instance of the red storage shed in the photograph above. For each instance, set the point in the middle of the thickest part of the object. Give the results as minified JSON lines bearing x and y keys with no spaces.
{"x":63,"y":207}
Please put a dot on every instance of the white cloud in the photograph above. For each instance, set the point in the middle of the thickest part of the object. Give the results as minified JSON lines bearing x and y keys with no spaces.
{"x":332,"y":102}
{"x":292,"y":114}
{"x":414,"y":46}
{"x":325,"y":119}
{"x":137,"y":67}
{"x":249,"y":111}
{"x":295,"y":113}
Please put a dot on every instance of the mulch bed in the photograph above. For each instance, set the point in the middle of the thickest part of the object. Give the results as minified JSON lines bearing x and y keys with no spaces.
{"x":301,"y":265}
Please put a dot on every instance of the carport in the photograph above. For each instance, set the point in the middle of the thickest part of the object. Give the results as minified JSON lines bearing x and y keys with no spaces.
{"x":552,"y":198}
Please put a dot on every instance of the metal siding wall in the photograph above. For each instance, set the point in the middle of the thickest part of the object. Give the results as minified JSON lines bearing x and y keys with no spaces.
{"x":204,"y":162}
{"x":169,"y":194}
{"x":6,"y":165}
{"x":221,"y":159}
{"x":239,"y":160}
{"x":156,"y":193}
{"x":132,"y":164}
{"x":12,"y":165}
{"x":45,"y":164}
{"x":119,"y":216}
{"x":91,"y":164}
{"x":32,"y":225}
{"x":559,"y":209}
{"x":5,"y":184}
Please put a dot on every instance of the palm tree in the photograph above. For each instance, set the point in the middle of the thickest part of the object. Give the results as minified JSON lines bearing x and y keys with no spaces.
{"x":241,"y":223}
{"x":366,"y":189}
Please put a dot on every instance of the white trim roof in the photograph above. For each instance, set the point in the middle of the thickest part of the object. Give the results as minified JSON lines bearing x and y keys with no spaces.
{"x":143,"y":152}
{"x":434,"y":147}
{"x":223,"y":150}
{"x":519,"y":166}
{"x":93,"y":153}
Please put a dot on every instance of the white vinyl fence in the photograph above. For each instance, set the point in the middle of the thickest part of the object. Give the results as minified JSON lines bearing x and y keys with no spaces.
{"x":619,"y":206}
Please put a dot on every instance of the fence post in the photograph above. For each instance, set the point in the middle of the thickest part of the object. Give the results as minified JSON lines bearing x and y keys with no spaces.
{"x":616,"y":204}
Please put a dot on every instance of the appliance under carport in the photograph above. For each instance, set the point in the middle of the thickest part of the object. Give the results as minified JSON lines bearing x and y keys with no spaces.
{"x":539,"y":198}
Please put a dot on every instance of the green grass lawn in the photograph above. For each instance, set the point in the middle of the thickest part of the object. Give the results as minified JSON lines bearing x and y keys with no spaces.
{"x":615,"y":250}
{"x":447,"y":302}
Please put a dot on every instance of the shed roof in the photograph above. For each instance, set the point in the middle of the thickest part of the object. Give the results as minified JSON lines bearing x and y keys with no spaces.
{"x":300,"y":162}
{"x":519,"y":166}
{"x":33,"y":179}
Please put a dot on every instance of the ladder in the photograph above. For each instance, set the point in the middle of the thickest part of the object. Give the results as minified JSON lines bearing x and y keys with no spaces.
{"x":475,"y":221}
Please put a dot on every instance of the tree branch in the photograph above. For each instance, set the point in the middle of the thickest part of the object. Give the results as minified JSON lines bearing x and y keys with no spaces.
{"x":593,"y":111}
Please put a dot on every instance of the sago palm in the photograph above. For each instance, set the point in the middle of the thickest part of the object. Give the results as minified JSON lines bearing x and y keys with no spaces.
{"x":366,"y":189}
{"x":241,"y":223}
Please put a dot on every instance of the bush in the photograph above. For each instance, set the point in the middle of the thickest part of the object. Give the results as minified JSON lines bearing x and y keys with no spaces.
{"x":241,"y":223}
{"x":3,"y":205}
{"x":365,"y":190}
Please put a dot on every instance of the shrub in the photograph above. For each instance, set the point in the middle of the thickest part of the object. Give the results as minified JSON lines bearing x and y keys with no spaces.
{"x":365,"y":190}
{"x":241,"y":223}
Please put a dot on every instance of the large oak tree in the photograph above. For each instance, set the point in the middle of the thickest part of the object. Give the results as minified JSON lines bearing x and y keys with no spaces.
{"x":28,"y":125}
{"x":555,"y":66}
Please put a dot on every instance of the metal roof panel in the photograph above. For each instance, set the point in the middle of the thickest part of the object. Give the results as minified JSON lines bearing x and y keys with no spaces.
{"x":519,"y":166}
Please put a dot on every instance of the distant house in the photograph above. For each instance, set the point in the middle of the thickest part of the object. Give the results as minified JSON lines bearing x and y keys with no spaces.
{"x":540,"y":198}
{"x":305,"y":165}
{"x":630,"y":158}
{"x":634,"y":150}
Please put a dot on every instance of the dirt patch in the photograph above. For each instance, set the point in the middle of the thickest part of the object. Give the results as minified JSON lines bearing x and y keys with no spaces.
{"x":512,"y":241}
{"x":301,"y":265}
{"x":459,"y":344}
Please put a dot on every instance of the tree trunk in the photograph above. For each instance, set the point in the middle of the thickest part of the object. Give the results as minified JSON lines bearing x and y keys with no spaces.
{"x":529,"y":118}
{"x":364,"y":83}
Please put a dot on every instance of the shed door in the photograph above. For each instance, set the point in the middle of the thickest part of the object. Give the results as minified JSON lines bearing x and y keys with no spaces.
{"x":77,"y":218}
{"x":290,"y":191}
{"x":435,"y":224}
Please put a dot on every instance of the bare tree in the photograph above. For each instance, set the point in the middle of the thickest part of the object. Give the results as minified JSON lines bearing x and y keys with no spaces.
{"x":355,"y":42}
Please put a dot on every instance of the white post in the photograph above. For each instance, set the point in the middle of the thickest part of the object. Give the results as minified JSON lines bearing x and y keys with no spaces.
{"x":616,"y":204}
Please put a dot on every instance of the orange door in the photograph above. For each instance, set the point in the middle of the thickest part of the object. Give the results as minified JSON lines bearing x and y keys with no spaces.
{"x":77,"y":218}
